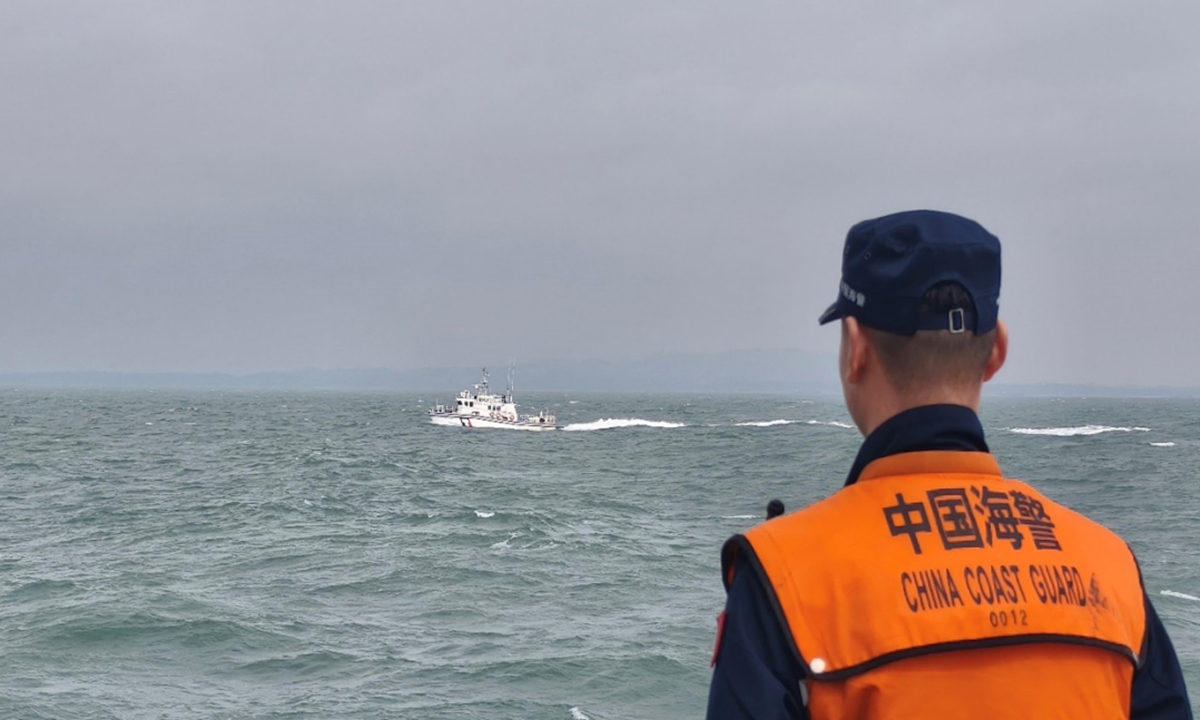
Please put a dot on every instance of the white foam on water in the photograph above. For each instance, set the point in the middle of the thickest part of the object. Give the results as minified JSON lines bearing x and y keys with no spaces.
{"x":738,"y":517}
{"x":1182,"y":596}
{"x":483,"y":513}
{"x":611,"y":423}
{"x":766,"y":423}
{"x":835,"y":423}
{"x":1078,"y":430}
{"x":1166,"y":444}
{"x":504,"y":544}
{"x":577,"y":714}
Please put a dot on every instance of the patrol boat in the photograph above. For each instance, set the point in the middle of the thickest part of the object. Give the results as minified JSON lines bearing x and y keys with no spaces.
{"x":480,"y":408}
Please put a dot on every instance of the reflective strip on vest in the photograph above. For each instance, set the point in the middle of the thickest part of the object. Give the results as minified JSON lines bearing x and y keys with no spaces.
{"x":935,"y":552}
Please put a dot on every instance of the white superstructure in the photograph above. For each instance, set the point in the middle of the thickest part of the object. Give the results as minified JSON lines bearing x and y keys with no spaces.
{"x":483,"y":409}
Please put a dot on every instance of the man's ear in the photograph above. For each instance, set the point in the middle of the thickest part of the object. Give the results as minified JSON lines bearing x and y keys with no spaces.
{"x":999,"y":351}
{"x":857,"y":349}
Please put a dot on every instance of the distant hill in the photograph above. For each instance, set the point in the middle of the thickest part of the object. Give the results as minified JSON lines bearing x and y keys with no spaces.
{"x":994,"y":389}
{"x":735,"y":371}
{"x":727,"y":372}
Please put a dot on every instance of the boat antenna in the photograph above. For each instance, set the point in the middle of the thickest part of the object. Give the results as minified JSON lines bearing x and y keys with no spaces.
{"x":510,"y":381}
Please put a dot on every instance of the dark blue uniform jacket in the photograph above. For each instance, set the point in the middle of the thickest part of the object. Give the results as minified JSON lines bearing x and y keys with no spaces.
{"x":757,"y":676}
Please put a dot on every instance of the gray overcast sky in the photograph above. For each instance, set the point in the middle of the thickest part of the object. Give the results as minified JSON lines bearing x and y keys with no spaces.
{"x":233,"y":186}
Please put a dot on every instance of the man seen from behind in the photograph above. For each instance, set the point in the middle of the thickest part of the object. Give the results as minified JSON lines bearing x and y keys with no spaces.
{"x":932,"y":586}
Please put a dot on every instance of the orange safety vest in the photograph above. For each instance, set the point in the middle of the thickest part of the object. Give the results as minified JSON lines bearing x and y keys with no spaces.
{"x":934,"y":587}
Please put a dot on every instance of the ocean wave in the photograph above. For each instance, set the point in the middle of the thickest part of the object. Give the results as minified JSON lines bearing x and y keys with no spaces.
{"x":484,"y":513}
{"x":1163,"y":444}
{"x":610,"y":423}
{"x":773,"y":423}
{"x":1078,"y":430}
{"x":577,"y":714}
{"x":304,"y":664}
{"x":738,"y":517}
{"x":1182,"y":596}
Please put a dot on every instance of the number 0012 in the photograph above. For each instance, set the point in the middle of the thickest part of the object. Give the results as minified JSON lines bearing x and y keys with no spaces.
{"x":1006,"y":618}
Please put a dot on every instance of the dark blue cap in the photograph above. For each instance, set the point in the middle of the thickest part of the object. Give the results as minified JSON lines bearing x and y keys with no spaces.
{"x":890,"y":262}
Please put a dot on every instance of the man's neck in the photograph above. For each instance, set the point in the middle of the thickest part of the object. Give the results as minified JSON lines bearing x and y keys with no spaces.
{"x":885,"y":404}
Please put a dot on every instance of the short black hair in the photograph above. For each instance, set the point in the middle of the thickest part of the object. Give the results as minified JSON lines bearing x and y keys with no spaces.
{"x":944,"y":297}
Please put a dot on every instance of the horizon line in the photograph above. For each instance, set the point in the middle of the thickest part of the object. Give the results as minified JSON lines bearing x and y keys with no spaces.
{"x":97,"y":378}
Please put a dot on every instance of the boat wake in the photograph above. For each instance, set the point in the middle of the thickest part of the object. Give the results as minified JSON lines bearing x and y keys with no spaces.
{"x":612,"y":423}
{"x":1079,"y":430}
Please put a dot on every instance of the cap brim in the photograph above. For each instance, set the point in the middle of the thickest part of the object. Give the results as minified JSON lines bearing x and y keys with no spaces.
{"x":833,"y":313}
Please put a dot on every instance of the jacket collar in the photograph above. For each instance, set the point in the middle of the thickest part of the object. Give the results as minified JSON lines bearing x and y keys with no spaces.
{"x":932,"y":462}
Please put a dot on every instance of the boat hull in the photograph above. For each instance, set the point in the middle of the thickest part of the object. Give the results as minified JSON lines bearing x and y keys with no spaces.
{"x":475,"y":421}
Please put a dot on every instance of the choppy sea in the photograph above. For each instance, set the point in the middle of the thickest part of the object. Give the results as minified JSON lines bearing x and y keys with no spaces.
{"x":172,"y":554}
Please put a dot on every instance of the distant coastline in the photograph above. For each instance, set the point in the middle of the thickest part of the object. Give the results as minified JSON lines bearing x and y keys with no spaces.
{"x":743,"y":371}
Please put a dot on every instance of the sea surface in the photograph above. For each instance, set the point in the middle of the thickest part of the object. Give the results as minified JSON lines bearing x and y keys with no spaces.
{"x":172,"y":554}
